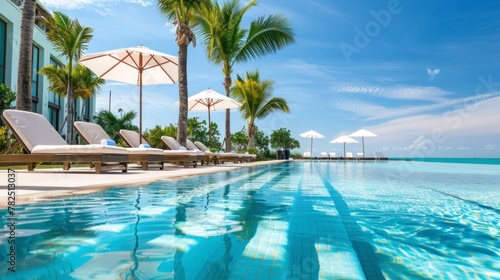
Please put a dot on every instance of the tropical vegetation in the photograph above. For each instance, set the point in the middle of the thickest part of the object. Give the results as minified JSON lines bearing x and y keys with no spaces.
{"x":240,"y":143}
{"x":71,"y":39}
{"x":228,"y":43}
{"x":281,"y":139}
{"x":197,"y":131}
{"x":7,"y":97}
{"x":85,"y":83}
{"x":153,"y":135}
{"x":112,"y":123}
{"x":257,"y":101}
{"x":182,"y":13}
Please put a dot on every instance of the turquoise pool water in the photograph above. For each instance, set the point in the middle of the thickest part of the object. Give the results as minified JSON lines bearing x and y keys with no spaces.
{"x":293,"y":220}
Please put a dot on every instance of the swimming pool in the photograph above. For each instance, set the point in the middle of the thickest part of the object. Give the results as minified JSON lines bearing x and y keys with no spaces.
{"x":293,"y":220}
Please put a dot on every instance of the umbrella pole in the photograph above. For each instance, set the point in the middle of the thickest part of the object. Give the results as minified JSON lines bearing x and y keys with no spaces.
{"x":344,"y":151}
{"x":140,"y":99}
{"x":209,"y":129}
{"x":363,"y":141}
{"x":140,"y":111}
{"x":311,"y":147}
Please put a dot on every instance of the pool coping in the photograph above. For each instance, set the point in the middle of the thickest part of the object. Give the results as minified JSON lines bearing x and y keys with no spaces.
{"x":46,"y":184}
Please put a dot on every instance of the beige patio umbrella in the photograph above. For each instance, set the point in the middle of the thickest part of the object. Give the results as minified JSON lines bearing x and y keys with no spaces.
{"x":343,"y":140}
{"x":208,"y":100}
{"x":311,"y":134}
{"x":363,"y":133}
{"x":135,"y":65}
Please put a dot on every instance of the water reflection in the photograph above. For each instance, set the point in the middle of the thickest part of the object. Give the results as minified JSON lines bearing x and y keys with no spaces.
{"x":285,"y":221}
{"x":136,"y":235}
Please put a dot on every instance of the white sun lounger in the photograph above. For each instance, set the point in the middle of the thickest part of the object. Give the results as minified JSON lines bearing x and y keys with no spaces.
{"x":186,"y":158}
{"x":93,"y":133}
{"x":42,"y":143}
{"x":222,"y":156}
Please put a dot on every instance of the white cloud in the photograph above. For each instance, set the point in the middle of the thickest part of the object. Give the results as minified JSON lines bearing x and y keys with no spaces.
{"x":68,"y":5}
{"x":419,"y":143}
{"x":328,"y":9}
{"x":470,"y":129}
{"x":308,"y":69}
{"x":394,"y":92}
{"x":102,"y":7}
{"x":374,"y":112}
{"x":490,"y":147}
{"x":432,"y":73}
{"x":140,"y":2}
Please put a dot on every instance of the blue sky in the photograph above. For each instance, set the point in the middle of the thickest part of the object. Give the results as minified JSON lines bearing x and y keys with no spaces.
{"x":423,"y":75}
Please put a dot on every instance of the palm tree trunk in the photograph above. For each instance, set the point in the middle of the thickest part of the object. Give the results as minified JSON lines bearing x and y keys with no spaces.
{"x":24,"y":78}
{"x":251,"y":135}
{"x":183,"y":96}
{"x":71,"y":113}
{"x":227,"y":87}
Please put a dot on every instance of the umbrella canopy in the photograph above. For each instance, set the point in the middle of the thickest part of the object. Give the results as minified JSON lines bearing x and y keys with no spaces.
{"x":210,"y":100}
{"x":363,"y":133}
{"x":343,"y":140}
{"x":137,"y":66}
{"x":311,"y":134}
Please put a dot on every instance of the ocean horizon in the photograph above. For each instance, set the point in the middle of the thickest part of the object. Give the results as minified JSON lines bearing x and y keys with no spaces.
{"x":475,"y":160}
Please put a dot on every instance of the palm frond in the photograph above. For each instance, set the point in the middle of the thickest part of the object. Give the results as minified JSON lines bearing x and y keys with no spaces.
{"x":266,"y":36}
{"x":58,"y":78}
{"x":84,"y":82}
{"x":255,"y":95}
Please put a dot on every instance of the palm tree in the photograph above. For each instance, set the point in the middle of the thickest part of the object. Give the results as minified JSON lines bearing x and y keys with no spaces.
{"x":24,"y":72}
{"x":85,"y":82}
{"x":257,"y":101}
{"x":182,"y":12}
{"x":112,"y":123}
{"x":70,"y":39}
{"x":228,"y":43}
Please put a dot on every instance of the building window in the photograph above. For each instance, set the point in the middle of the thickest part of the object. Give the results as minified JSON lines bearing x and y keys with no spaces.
{"x":54,"y":102}
{"x":3,"y":43}
{"x":86,"y":110}
{"x":35,"y":78}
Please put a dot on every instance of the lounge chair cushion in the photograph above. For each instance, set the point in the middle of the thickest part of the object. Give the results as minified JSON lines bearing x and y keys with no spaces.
{"x":148,"y":151}
{"x":201,"y":146}
{"x":190,"y":145}
{"x":91,"y":132}
{"x":33,"y":130}
{"x":78,"y":149}
{"x":132,"y":137}
{"x":171,"y":143}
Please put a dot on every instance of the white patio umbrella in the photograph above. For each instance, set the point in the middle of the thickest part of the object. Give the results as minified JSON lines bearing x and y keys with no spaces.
{"x":311,"y":134}
{"x":210,"y":100}
{"x":363,"y":133}
{"x":343,"y":140}
{"x":135,"y":65}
